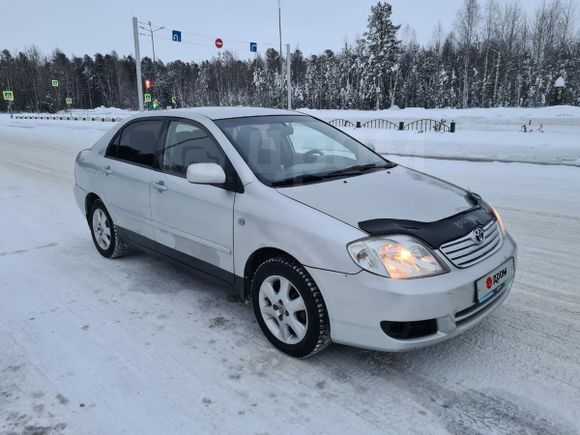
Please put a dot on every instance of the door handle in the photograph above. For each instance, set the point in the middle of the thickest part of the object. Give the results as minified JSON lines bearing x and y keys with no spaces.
{"x":107,"y":170}
{"x":160,"y":186}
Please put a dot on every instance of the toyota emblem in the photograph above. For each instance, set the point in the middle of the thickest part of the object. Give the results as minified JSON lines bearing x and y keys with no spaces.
{"x":478,"y":235}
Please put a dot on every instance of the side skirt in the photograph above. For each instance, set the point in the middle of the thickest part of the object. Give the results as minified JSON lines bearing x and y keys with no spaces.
{"x":179,"y":258}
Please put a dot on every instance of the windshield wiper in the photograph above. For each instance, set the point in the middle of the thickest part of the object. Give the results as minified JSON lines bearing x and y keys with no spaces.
{"x":299,"y":179}
{"x":314,"y":178}
{"x":357,"y":169}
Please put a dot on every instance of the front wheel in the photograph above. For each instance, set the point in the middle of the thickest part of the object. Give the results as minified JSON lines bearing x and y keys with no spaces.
{"x":289,"y":307}
{"x":108,"y":240}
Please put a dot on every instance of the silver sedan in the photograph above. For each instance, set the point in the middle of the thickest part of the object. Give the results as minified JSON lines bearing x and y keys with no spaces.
{"x":328,"y":239}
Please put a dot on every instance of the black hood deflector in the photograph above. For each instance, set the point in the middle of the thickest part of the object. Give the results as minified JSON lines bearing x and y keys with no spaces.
{"x":438,"y":232}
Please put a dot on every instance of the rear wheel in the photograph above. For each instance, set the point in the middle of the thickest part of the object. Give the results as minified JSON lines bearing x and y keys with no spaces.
{"x":289,"y":307}
{"x":107,"y":238}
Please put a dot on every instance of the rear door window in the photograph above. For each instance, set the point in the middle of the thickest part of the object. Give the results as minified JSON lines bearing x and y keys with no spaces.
{"x":137,"y":142}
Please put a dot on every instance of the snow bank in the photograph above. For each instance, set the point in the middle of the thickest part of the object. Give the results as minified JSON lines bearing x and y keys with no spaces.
{"x":395,"y":113}
{"x":450,"y":113}
{"x":547,"y":148}
{"x":100,"y":111}
{"x":481,"y":134}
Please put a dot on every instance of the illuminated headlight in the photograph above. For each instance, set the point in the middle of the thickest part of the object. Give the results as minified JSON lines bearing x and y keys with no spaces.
{"x":498,"y":219}
{"x":397,"y":257}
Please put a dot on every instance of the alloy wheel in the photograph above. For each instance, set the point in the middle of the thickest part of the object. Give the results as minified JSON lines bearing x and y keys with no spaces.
{"x":102,"y":229}
{"x":283,"y":309}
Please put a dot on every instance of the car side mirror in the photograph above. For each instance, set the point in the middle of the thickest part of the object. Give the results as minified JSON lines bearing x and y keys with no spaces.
{"x":371,"y":146}
{"x":205,"y":173}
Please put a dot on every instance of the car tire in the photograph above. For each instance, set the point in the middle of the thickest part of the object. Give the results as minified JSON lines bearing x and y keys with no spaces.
{"x":289,"y":307}
{"x":107,"y":238}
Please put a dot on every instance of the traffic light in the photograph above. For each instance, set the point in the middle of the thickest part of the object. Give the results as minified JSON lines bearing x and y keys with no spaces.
{"x":148,"y":84}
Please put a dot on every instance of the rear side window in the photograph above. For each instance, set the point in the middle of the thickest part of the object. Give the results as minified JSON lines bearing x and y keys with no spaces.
{"x":186,"y":144}
{"x":112,"y":148}
{"x":136,"y":143}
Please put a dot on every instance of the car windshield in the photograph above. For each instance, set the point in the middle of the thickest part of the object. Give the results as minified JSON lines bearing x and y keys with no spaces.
{"x":285,"y":150}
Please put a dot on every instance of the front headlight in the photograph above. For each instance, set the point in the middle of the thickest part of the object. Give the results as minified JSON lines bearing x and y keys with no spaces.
{"x":397,"y":257}
{"x":498,"y":218}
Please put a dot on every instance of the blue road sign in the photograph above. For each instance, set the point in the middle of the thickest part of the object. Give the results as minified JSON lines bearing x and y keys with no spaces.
{"x":253,"y":47}
{"x":176,"y":35}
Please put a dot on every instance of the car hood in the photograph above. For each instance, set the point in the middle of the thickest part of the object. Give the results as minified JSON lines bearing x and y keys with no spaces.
{"x":396,"y":193}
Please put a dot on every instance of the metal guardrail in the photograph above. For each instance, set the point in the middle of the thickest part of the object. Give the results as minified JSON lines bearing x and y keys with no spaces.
{"x":380,"y":123}
{"x":419,"y":125}
{"x":71,"y":118}
{"x":342,"y":123}
{"x":422,"y":125}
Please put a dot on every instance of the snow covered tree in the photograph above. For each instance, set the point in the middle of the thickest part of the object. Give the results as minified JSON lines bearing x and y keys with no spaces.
{"x":508,"y":60}
{"x":381,"y":52}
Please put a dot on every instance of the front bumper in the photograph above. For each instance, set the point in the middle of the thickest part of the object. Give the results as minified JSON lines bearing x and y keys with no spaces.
{"x":357,"y":304}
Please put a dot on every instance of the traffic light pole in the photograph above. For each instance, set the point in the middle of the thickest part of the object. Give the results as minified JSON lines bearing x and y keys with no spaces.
{"x":138,"y":64}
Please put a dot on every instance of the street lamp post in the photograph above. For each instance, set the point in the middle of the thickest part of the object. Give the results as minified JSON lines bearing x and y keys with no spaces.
{"x":138,"y":65}
{"x":152,"y":31}
{"x":281,"y":57}
{"x":289,"y":77}
{"x":280,"y":27}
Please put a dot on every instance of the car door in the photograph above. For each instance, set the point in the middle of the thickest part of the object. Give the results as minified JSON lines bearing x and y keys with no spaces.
{"x":193,"y":222}
{"x":128,"y":173}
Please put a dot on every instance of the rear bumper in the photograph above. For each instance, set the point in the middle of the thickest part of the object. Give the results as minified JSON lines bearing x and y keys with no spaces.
{"x":357,"y":304}
{"x":80,"y":196}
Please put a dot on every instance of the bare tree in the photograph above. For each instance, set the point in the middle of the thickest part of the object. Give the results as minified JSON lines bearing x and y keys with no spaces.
{"x":490,"y":30}
{"x":467,"y":23}
{"x":545,"y":30}
{"x":437,"y":37}
{"x":567,"y":22}
{"x":512,"y":20}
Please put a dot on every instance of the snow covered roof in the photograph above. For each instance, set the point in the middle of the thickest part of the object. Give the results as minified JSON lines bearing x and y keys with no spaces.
{"x":231,"y":112}
{"x":560,"y":82}
{"x":214,"y":113}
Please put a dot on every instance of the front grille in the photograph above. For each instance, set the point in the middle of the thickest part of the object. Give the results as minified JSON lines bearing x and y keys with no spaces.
{"x":465,"y":251}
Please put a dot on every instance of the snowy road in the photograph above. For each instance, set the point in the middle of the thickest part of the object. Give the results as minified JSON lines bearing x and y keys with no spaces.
{"x":137,"y":346}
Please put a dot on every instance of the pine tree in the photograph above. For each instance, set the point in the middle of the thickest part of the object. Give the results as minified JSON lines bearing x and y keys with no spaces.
{"x":381,"y":52}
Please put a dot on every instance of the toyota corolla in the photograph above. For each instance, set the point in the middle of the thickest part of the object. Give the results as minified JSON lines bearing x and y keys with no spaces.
{"x":329,"y":240}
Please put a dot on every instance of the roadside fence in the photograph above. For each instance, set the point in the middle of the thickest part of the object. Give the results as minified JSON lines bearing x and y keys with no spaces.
{"x":419,"y":125}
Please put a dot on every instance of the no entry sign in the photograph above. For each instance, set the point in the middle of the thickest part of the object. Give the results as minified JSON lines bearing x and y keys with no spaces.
{"x":219,"y":43}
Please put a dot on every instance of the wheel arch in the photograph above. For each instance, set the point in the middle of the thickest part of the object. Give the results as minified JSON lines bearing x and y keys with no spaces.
{"x":89,"y":201}
{"x":254,"y":260}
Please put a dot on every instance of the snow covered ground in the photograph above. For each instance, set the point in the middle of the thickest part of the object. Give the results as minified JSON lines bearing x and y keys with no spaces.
{"x":138,"y":346}
{"x":482,"y":134}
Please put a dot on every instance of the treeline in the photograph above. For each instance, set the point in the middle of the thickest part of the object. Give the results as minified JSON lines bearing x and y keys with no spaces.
{"x":494,"y":56}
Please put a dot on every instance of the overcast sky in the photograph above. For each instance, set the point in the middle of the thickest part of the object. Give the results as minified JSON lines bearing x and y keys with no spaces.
{"x":85,"y":27}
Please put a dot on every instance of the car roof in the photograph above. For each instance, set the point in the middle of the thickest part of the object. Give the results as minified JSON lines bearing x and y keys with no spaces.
{"x":215,"y":113}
